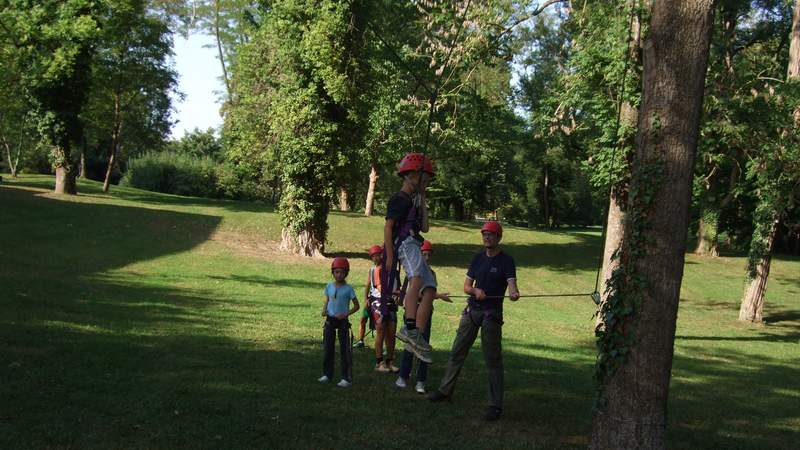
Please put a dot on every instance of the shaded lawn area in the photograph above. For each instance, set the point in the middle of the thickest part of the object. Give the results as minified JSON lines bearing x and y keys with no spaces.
{"x":127,"y":322}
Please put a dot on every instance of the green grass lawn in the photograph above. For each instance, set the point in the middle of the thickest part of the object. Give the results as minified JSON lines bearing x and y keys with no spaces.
{"x":142,"y":320}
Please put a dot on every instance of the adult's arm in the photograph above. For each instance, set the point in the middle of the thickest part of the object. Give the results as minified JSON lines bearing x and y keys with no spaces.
{"x":469,"y":289}
{"x":513,"y":291}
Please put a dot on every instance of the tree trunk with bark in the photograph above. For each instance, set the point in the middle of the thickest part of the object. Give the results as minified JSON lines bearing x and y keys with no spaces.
{"x":344,"y":204}
{"x":752,"y":307}
{"x":82,"y":167}
{"x":633,"y":413}
{"x":373,"y":182}
{"x":13,"y":162}
{"x":65,"y":180}
{"x":115,"y":132}
{"x":708,"y":226}
{"x":304,"y":243}
{"x":707,"y":230}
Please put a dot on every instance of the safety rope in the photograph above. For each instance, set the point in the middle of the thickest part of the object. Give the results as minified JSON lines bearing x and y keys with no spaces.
{"x":596,"y":294}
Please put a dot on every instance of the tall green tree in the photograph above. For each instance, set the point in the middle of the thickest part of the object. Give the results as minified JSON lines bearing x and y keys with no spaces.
{"x":131,"y":80}
{"x":775,"y":163}
{"x":51,"y":43}
{"x":304,"y":86}
{"x":636,"y":333}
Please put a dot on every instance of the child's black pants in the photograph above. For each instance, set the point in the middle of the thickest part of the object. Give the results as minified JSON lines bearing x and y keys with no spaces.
{"x":331,"y":327}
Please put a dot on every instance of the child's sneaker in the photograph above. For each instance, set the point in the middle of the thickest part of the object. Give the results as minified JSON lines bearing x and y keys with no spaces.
{"x":323,"y":379}
{"x":400,"y":383}
{"x":381,"y":367}
{"x":420,"y":388}
{"x":344,"y":383}
{"x":359,"y":344}
{"x":422,"y":349}
{"x":408,"y":336}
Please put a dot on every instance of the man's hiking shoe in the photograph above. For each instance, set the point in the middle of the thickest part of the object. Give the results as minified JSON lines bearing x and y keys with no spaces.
{"x":438,"y":396}
{"x":323,"y":379}
{"x":492,"y":414}
{"x":344,"y":384}
{"x":381,"y":367}
{"x":400,"y":383}
{"x":359,"y":344}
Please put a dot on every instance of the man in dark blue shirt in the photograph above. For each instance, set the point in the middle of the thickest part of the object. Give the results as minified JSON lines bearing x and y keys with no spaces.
{"x":490,"y":273}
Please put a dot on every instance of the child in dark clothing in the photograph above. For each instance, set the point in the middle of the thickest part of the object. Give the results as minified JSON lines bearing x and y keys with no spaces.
{"x":338,"y":295}
{"x":408,"y":357}
{"x":406,"y":217}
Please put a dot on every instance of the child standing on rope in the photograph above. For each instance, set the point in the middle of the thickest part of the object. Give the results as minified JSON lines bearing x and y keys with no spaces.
{"x":408,"y":357}
{"x":338,"y":295}
{"x":406,"y":217}
{"x":385,"y":318}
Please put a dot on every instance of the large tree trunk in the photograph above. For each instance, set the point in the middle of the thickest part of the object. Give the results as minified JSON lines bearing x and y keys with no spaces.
{"x":752,"y":307}
{"x":305,"y":243}
{"x":344,"y":204}
{"x":708,"y":226}
{"x":373,"y":181}
{"x":633,"y":413}
{"x":707,"y":231}
{"x":65,"y":181}
{"x":616,"y":217}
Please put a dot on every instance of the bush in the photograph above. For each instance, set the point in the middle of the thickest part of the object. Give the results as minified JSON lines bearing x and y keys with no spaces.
{"x":173,"y":173}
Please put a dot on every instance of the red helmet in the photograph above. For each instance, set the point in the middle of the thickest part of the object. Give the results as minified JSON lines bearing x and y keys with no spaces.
{"x":493,"y":227}
{"x":426,"y":246}
{"x":340,"y":262}
{"x":415,"y":162}
{"x":375,"y":249}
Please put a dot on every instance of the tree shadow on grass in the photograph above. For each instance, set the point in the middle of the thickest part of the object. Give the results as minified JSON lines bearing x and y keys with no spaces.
{"x":267,"y":281}
{"x":579,"y":255}
{"x":89,"y":188}
{"x":155,"y":367}
{"x":736,"y":400}
{"x":47,"y":236}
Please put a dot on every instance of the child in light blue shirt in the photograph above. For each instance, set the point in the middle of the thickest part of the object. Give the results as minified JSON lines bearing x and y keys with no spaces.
{"x":336,"y":309}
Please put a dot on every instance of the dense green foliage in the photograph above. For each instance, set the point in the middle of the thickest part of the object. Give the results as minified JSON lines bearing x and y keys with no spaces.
{"x":174,"y":173}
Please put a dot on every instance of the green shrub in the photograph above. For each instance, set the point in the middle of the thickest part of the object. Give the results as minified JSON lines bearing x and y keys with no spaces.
{"x":173,"y":173}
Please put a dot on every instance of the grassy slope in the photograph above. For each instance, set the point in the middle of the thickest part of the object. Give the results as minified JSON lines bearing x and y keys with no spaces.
{"x":142,"y":320}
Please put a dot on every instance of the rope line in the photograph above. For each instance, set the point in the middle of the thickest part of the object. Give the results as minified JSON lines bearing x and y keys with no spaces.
{"x":615,"y":153}
{"x":582,"y":294}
